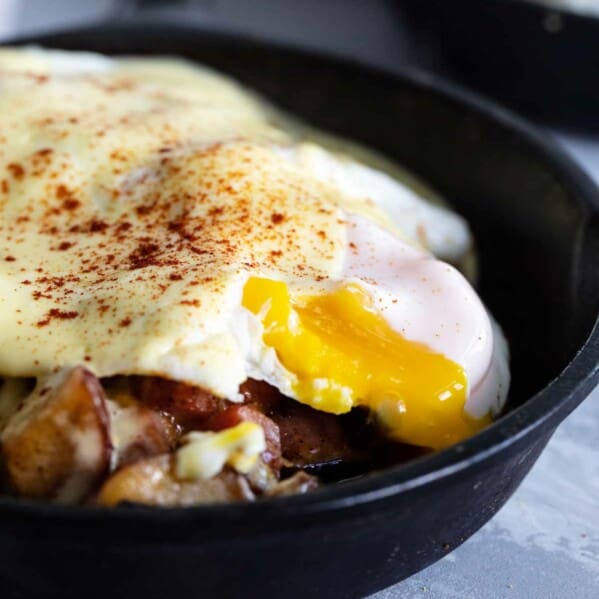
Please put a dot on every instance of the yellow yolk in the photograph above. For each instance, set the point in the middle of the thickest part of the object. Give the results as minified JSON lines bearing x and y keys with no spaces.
{"x":343,"y":354}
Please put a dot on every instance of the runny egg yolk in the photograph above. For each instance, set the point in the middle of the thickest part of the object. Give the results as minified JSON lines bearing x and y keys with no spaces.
{"x":343,"y":354}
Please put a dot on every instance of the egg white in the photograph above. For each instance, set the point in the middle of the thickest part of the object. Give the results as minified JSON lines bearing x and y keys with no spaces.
{"x":221,"y":345}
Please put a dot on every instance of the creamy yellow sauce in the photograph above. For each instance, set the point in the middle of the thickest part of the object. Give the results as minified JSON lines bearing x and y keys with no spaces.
{"x":130,"y":204}
{"x":204,"y":454}
{"x":137,"y":197}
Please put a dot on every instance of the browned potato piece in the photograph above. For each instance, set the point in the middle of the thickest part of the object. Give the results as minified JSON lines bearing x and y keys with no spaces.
{"x":57,"y":445}
{"x":153,"y":482}
{"x":297,"y":484}
{"x":137,"y":431}
{"x":266,"y":484}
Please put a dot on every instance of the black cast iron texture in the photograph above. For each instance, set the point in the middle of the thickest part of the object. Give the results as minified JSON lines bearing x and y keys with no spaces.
{"x":535,"y":216}
{"x":541,"y":60}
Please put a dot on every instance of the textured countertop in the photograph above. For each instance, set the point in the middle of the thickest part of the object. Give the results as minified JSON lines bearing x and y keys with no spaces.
{"x":544,"y":543}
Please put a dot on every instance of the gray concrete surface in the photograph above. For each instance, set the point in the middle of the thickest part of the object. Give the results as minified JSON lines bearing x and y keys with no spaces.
{"x":544,"y":543}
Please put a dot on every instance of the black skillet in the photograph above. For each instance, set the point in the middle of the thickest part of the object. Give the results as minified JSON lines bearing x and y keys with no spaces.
{"x":536,"y":219}
{"x":540,"y":60}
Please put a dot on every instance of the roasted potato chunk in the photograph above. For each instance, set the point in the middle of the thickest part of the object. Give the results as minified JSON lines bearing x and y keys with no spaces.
{"x":153,"y":482}
{"x":137,"y":431}
{"x":57,"y":445}
{"x":297,"y":484}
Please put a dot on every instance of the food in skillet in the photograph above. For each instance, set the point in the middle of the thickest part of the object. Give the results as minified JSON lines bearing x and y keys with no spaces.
{"x":203,"y":300}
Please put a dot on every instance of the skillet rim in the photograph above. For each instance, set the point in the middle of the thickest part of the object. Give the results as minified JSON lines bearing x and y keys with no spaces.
{"x":542,"y":412}
{"x":547,"y":9}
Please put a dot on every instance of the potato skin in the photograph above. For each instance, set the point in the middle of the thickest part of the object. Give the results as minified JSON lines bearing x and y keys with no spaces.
{"x":154,"y":434}
{"x":67,"y":442}
{"x":153,"y":482}
{"x":57,"y":446}
{"x":137,"y":430}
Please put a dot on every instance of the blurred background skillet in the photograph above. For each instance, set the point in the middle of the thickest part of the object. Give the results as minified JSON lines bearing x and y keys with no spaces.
{"x":539,"y":56}
{"x":535,"y":216}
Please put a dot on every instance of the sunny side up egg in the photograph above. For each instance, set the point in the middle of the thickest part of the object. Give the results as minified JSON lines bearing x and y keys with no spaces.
{"x":159,"y":219}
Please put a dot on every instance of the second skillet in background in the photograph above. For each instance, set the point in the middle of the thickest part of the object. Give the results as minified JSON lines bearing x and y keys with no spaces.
{"x":539,"y":59}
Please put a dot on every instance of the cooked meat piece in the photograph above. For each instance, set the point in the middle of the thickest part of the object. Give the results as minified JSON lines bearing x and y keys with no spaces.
{"x":57,"y":445}
{"x":261,"y":393}
{"x":297,"y":436}
{"x":153,"y":482}
{"x":310,"y":437}
{"x":297,"y":484}
{"x":233,"y":414}
{"x":189,"y":405}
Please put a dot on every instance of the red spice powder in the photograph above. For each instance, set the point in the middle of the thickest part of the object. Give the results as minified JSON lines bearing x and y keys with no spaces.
{"x":195,"y":303}
{"x":97,"y":226}
{"x":71,"y":204}
{"x":16,"y":170}
{"x":65,"y":245}
{"x":144,"y":255}
{"x":55,"y":313}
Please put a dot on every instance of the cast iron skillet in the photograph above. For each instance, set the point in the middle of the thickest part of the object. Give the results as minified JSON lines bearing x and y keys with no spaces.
{"x":536,"y":218}
{"x":541,"y":60}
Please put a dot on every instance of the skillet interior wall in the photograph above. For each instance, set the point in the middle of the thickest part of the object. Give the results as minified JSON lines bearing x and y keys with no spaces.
{"x":525,"y":260}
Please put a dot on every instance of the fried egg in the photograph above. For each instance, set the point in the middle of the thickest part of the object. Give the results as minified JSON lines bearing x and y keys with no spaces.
{"x":157,"y":218}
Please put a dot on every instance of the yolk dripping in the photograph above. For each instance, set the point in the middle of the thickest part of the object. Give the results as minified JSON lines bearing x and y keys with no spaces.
{"x":344,"y":355}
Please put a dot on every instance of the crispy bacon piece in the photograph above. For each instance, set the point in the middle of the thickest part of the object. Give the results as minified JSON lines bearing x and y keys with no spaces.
{"x":57,"y":445}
